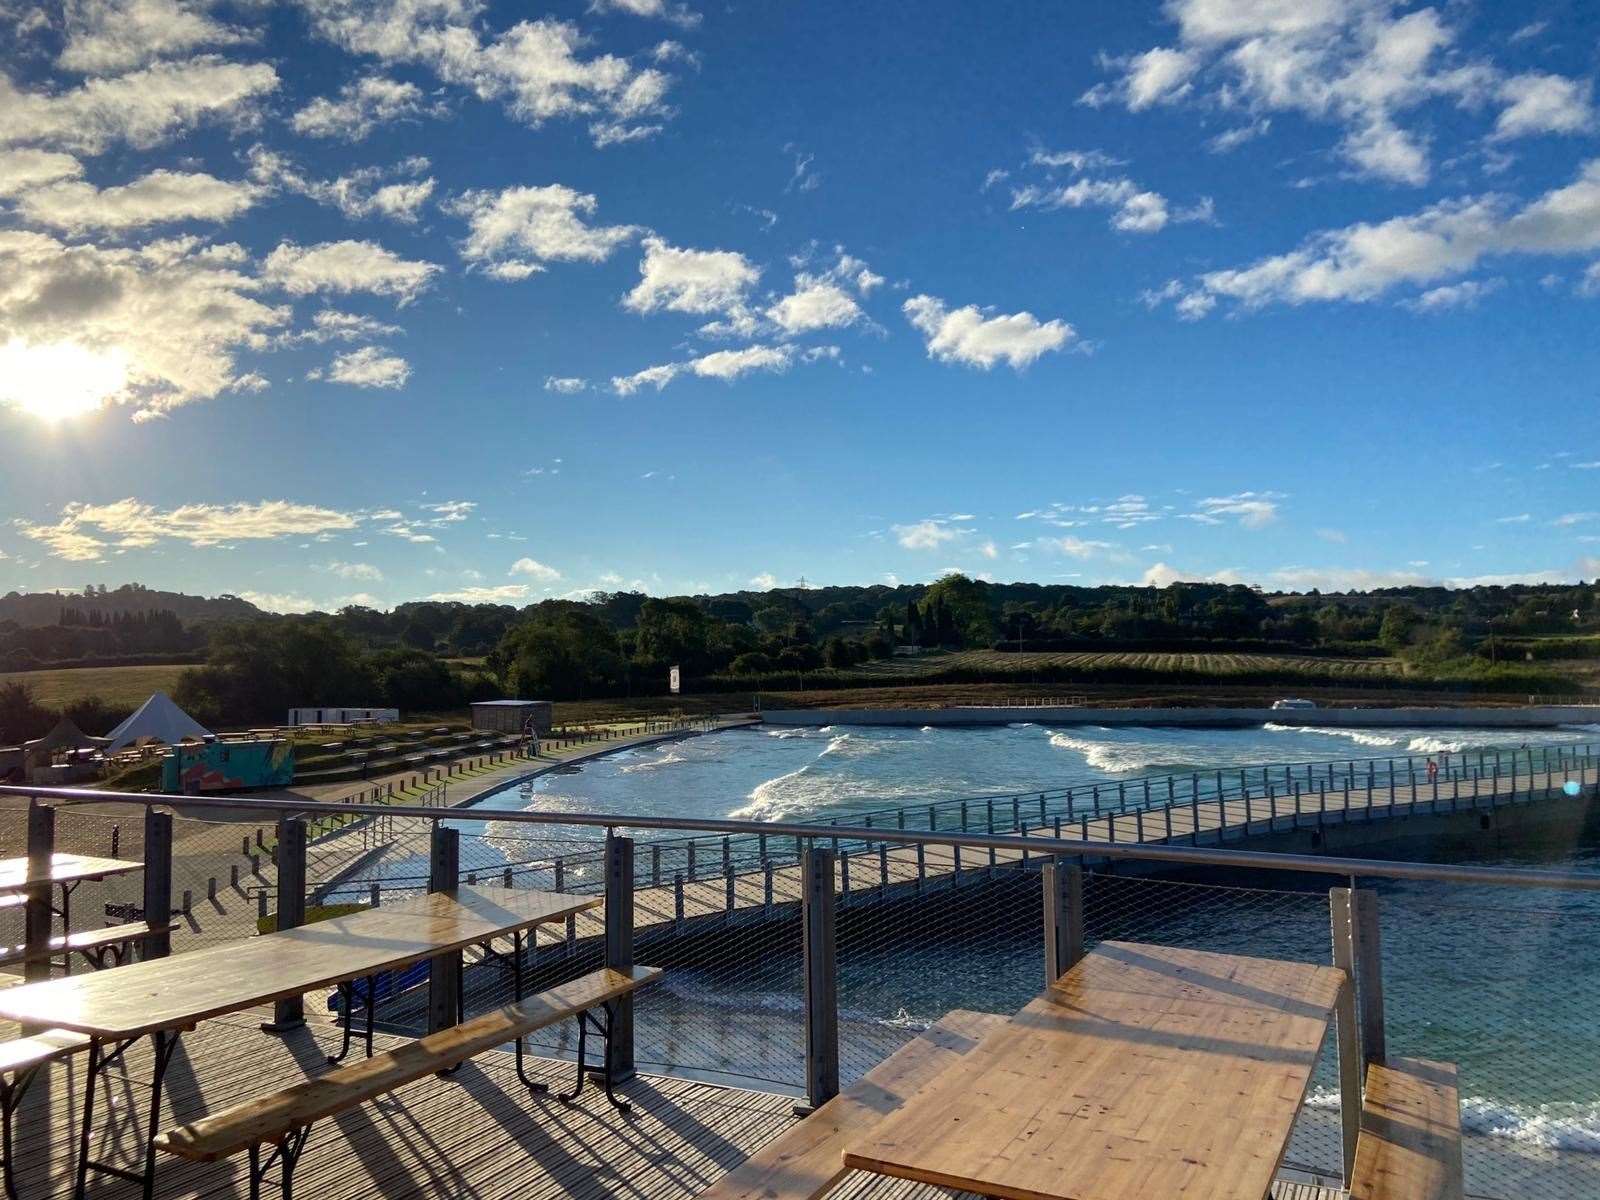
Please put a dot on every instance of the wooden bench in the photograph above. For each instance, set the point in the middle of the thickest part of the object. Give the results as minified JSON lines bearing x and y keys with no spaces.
{"x":284,"y":1119}
{"x":1410,"y":1142}
{"x":96,"y":945}
{"x":808,"y":1159}
{"x":20,"y":1061}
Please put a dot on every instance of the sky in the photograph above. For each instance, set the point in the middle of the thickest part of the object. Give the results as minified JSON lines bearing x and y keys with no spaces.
{"x":366,"y":301}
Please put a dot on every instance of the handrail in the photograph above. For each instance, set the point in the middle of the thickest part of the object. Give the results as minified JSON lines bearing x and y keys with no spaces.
{"x":1045,"y":847}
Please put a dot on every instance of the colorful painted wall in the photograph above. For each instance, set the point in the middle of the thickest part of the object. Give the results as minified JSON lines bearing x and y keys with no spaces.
{"x":227,"y":766}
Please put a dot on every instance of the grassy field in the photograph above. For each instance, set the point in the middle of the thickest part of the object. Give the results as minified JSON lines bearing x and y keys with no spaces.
{"x":1003,"y":665}
{"x":129,"y":686}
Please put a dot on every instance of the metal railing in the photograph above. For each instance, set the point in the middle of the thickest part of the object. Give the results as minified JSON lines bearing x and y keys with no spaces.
{"x":805,"y":968}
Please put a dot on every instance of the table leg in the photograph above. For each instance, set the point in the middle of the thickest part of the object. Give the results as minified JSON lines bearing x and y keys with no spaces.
{"x":347,"y":1007}
{"x":163,"y":1043}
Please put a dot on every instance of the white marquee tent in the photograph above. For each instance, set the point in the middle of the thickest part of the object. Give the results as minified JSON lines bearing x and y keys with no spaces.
{"x":157,"y":720}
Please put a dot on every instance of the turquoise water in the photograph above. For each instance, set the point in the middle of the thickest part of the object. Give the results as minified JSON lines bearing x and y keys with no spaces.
{"x":1504,"y":982}
{"x":796,"y":774}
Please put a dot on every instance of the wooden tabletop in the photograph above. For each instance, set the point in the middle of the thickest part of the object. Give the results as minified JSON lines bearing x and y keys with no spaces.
{"x":178,"y":991}
{"x":1144,"y":1071}
{"x":64,"y":868}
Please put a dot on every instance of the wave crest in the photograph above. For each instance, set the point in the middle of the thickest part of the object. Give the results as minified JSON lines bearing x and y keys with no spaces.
{"x":1355,"y":735}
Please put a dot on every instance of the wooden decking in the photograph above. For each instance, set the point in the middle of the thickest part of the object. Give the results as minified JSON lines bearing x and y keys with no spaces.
{"x":477,"y":1135}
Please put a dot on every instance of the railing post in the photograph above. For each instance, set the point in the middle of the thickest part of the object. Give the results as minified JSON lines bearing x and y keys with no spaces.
{"x":1365,"y":930}
{"x":821,"y":979}
{"x":1350,"y":1062}
{"x":37,"y":916}
{"x":444,"y":971}
{"x":1063,"y":918}
{"x":289,"y":1013}
{"x":619,"y":948}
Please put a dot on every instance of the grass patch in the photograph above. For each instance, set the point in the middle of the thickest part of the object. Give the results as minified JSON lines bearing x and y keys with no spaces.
{"x":125,"y":686}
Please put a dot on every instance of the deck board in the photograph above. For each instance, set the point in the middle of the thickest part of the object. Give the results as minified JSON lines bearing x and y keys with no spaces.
{"x":474,"y":1136}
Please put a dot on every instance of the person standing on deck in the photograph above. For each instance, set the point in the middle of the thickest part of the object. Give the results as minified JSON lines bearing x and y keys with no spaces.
{"x":1433,"y":771}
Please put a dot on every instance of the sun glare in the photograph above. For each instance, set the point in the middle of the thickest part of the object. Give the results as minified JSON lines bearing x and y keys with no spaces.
{"x":56,"y":381}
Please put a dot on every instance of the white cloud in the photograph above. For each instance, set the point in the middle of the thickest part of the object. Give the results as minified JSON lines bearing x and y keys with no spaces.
{"x":515,"y":230}
{"x":505,"y":593}
{"x":1254,"y":509}
{"x":161,"y":197}
{"x":814,"y":304}
{"x":925,"y":535}
{"x":1157,"y":76}
{"x":280,"y":602}
{"x":1518,"y":519}
{"x":394,"y":191}
{"x":1365,"y":261}
{"x":355,"y":570}
{"x":1362,"y":66}
{"x":764,"y":582}
{"x":1133,"y":209}
{"x":726,"y":365}
{"x":368,"y":367}
{"x":110,"y":36}
{"x":174,"y":312}
{"x":23,"y":170}
{"x":331,"y":325}
{"x":1232,"y":139}
{"x":359,"y":108}
{"x":142,"y":108}
{"x":535,"y":570}
{"x":347,"y":266}
{"x":691,"y":281}
{"x":1465,"y":294}
{"x":1076,"y":547}
{"x":84,"y":531}
{"x":565,"y":385}
{"x":536,"y":69}
{"x":678,"y":14}
{"x":966,"y":335}
{"x":1538,"y":103}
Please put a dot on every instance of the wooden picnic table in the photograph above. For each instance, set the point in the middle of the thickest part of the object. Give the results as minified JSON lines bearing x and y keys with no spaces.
{"x":1144,"y":1071}
{"x":67,"y":871}
{"x":163,"y":997}
{"x":64,"y":868}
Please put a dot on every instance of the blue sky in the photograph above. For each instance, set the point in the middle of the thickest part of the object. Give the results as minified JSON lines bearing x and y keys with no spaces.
{"x":346,"y":300}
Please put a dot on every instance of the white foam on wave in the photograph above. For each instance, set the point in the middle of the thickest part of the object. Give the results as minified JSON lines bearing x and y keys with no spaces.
{"x":787,"y":733}
{"x":1110,"y":757}
{"x":1021,"y":725}
{"x":1566,"y":1126}
{"x":1355,"y":735}
{"x":666,"y":760}
{"x":853,"y":746}
{"x":768,"y":801}
{"x":1433,"y":745}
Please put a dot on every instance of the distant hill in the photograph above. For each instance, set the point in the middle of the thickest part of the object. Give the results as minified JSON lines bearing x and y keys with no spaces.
{"x":44,"y":608}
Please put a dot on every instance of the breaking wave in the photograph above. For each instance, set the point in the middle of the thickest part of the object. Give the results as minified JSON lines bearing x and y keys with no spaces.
{"x":1433,"y":745}
{"x":1114,"y":758}
{"x":1355,"y":735}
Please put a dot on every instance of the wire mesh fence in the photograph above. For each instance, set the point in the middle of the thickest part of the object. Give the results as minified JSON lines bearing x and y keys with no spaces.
{"x":1497,"y":980}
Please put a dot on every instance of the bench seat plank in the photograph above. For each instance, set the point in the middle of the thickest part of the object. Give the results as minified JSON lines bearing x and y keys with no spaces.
{"x":90,"y":939}
{"x":271,"y":1118}
{"x":1410,"y":1142}
{"x":808,"y":1159}
{"x":22,"y":1053}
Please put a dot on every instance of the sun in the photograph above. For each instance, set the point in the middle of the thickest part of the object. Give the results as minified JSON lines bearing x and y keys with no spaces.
{"x":56,"y":381}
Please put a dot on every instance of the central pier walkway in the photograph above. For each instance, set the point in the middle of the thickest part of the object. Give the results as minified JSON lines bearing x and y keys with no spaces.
{"x":681,"y":881}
